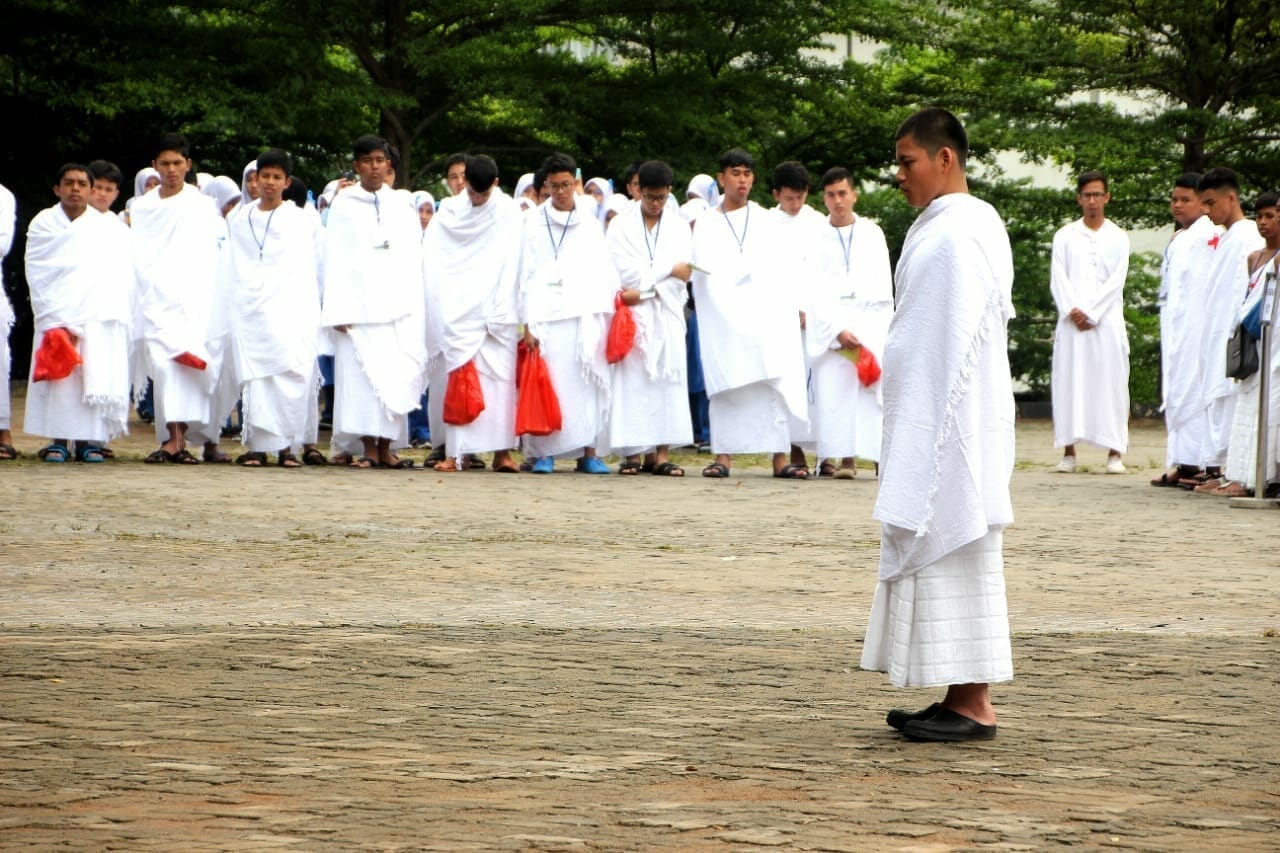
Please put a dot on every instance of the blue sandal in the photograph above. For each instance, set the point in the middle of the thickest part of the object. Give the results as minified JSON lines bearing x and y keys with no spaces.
{"x":90,"y":453}
{"x":54,"y":453}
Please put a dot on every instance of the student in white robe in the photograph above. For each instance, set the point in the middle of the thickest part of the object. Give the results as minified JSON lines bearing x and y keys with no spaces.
{"x":1226,"y":282}
{"x":8,"y":223}
{"x":1182,"y":280}
{"x":1090,"y":377}
{"x":651,"y":247}
{"x":274,"y":245}
{"x":183,"y":306}
{"x":470,"y":266}
{"x":948,"y":446}
{"x":567,"y":284}
{"x":373,"y":299}
{"x":800,"y":229}
{"x":1242,"y":456}
{"x":850,"y":307}
{"x":80,"y":274}
{"x":748,"y":325}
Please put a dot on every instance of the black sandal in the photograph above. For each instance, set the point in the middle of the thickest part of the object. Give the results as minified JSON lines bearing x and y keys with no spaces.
{"x":716,"y":471}
{"x":252,"y":459}
{"x":667,"y":469}
{"x":792,"y":472}
{"x":312,"y":456}
{"x":629,"y":467}
{"x":284,"y":457}
{"x":184,"y":457}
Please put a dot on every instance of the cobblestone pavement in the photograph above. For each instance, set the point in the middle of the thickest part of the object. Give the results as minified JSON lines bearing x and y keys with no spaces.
{"x":214,"y":658}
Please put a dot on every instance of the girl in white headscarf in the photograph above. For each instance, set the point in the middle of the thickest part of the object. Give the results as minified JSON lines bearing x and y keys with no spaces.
{"x":701,"y":194}
{"x":143,"y":182}
{"x":224,"y":192}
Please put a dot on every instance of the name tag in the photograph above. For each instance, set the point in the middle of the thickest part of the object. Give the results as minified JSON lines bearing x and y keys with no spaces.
{"x":849,"y":297}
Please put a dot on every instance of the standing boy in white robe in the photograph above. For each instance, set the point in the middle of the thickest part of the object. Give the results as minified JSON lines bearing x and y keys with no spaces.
{"x":800,"y":229}
{"x":8,"y":222}
{"x":275,"y":317}
{"x":1182,"y":281}
{"x":1090,"y":378}
{"x":948,"y":446}
{"x":184,"y":309}
{"x":651,"y":247}
{"x":470,"y":265}
{"x":748,"y":326}
{"x":80,"y":275}
{"x":567,"y":284}
{"x":1227,"y":281}
{"x":374,"y":300}
{"x":851,"y":305}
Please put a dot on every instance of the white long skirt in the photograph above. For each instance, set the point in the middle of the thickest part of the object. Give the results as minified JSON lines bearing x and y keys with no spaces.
{"x":280,"y":411}
{"x":750,"y":419}
{"x":1089,"y":382}
{"x":6,"y":413}
{"x":645,"y":412}
{"x":1242,"y":457}
{"x":357,"y":411}
{"x":582,"y":402}
{"x":1219,"y":419}
{"x":847,"y":416}
{"x":945,"y":624}
{"x":182,"y":395}
{"x":495,"y":428}
{"x":57,"y":409}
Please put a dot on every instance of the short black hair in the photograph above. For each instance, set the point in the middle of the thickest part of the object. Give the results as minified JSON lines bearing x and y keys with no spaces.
{"x":105,"y":170}
{"x":368,"y":144}
{"x":835,"y":175}
{"x":72,"y":167}
{"x":296,"y":192}
{"x":1219,"y":178}
{"x":172,"y":142}
{"x":1089,"y":177}
{"x":482,"y":172}
{"x":631,"y":172}
{"x":791,"y":175}
{"x":1266,"y":200}
{"x":1188,"y":181}
{"x":655,"y":175}
{"x":453,"y":160}
{"x":393,"y":154}
{"x":275,"y":157}
{"x":736,"y":157}
{"x":933,"y":129}
{"x":559,"y":162}
{"x":539,"y":178}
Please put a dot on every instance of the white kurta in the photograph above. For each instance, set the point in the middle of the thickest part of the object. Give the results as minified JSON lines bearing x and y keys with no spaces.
{"x":372,"y":283}
{"x":748,"y":330}
{"x":1090,"y":379}
{"x":650,"y":400}
{"x":567,"y":285}
{"x":8,"y":216}
{"x":799,"y":235}
{"x":81,"y":278}
{"x":948,"y":450}
{"x":470,"y":265}
{"x":1242,"y":456}
{"x":183,"y":305}
{"x":1225,"y":286}
{"x":852,"y":291}
{"x":276,"y":322}
{"x":1182,"y":282}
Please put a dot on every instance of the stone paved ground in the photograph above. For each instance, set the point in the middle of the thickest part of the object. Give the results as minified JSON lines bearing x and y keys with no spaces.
{"x":219,"y":659}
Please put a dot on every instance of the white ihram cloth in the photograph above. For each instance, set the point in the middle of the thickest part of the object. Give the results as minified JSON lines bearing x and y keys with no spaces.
{"x":1225,"y":286}
{"x":372,"y":283}
{"x":853,"y":290}
{"x":939,"y":614}
{"x":183,"y":304}
{"x":8,"y":216}
{"x":800,"y":234}
{"x":275,"y":322}
{"x":1182,"y":281}
{"x":650,"y":398}
{"x":81,"y":278}
{"x":1242,"y":456}
{"x":567,"y":285}
{"x":748,"y":330}
{"x":1090,"y":376}
{"x":470,"y":266}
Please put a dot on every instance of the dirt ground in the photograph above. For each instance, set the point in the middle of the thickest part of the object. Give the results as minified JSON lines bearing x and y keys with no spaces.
{"x":221,"y":658}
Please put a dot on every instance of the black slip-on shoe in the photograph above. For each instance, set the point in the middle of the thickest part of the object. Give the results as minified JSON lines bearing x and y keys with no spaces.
{"x":949,"y":727}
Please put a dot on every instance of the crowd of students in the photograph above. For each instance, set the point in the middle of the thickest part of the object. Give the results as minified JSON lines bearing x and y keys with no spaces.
{"x":657,"y":324}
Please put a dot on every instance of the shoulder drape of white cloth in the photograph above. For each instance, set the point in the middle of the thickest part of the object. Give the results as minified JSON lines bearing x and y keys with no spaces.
{"x":1184,"y":277}
{"x":748,"y":311}
{"x":948,"y":443}
{"x":470,"y":261}
{"x":858,"y":297}
{"x":644,"y":259}
{"x":180,"y":300}
{"x":275,"y":297}
{"x":565,"y":270}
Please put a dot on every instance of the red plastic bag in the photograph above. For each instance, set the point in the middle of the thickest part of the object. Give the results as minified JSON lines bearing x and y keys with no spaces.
{"x":463,"y":397}
{"x":56,"y":357}
{"x":622,"y":331}
{"x":537,"y":406}
{"x":190,"y":360}
{"x":868,"y":367}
